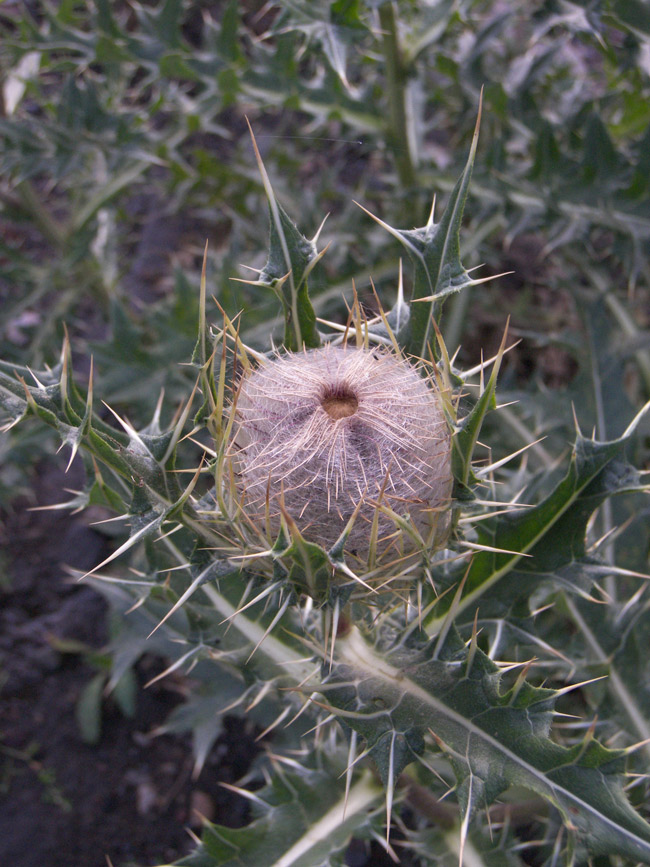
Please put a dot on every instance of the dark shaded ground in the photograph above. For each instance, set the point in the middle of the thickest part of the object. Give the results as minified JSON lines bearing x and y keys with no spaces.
{"x":64,"y":803}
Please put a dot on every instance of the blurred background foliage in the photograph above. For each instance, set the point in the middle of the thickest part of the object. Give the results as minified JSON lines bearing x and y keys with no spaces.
{"x":125,"y":147}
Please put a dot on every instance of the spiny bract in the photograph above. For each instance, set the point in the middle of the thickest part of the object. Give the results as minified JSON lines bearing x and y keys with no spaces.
{"x":323,"y":432}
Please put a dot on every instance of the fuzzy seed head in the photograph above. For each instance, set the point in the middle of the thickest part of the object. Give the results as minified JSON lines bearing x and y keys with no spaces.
{"x":323,"y":431}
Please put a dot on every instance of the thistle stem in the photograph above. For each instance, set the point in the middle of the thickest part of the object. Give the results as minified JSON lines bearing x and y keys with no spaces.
{"x":396,"y":78}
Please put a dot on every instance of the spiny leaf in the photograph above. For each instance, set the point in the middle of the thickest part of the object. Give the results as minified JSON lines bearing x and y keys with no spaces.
{"x":203,"y":716}
{"x":310,"y":568}
{"x":437,"y":848}
{"x":499,"y":739}
{"x":435,"y":251}
{"x":341,"y":27}
{"x":291,"y":259}
{"x":546,"y":537}
{"x":616,"y":640}
{"x":302,"y":819}
{"x":464,"y":442}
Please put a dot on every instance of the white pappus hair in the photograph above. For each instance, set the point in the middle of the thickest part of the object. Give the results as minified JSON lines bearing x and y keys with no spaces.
{"x":322,"y":430}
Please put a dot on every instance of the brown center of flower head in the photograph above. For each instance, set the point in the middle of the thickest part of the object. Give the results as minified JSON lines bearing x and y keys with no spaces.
{"x":339,"y":402}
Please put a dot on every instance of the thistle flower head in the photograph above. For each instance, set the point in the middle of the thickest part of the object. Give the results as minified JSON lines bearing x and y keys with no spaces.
{"x":325,"y":432}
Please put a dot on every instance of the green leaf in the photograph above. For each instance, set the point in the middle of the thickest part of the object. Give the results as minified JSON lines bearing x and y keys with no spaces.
{"x":203,"y":716}
{"x":547,"y":155}
{"x":435,"y":251}
{"x":291,"y":259}
{"x":616,"y":640}
{"x":336,"y":28}
{"x":125,"y":693}
{"x":466,"y":437}
{"x":310,"y":567}
{"x":303,"y":819}
{"x":633,"y":14}
{"x":532,"y":544}
{"x":494,"y":739}
{"x":601,"y":165}
{"x":89,"y":709}
{"x":346,"y":13}
{"x":228,"y":37}
{"x":108,"y":191}
{"x":437,"y":848}
{"x":167,"y":20}
{"x":106,"y":20}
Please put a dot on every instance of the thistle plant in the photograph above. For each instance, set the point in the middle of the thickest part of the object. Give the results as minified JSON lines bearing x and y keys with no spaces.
{"x":418,"y":628}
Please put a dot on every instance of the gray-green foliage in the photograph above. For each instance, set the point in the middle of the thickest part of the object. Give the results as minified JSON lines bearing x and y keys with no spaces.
{"x":428,"y":684}
{"x":101,"y":104}
{"x":390,"y":665}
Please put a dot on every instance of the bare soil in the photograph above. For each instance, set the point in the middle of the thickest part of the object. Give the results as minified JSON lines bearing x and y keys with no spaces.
{"x":63,"y":802}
